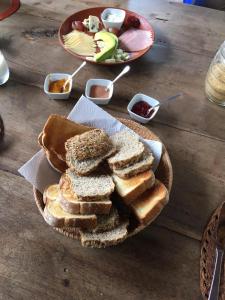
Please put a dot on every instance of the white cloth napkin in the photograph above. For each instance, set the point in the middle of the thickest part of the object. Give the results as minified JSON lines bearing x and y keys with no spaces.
{"x":39,"y":172}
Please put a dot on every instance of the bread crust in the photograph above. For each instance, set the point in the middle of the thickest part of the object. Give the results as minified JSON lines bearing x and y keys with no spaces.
{"x":136,"y":186}
{"x":149,"y":205}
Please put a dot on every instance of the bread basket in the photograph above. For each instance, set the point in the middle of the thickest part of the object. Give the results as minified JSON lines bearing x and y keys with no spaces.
{"x":164,"y":173}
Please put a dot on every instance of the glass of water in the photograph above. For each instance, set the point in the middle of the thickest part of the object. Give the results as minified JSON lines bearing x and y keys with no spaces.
{"x":4,"y":69}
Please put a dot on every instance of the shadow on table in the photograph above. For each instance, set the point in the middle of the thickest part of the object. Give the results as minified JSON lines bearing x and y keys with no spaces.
{"x":155,"y":262}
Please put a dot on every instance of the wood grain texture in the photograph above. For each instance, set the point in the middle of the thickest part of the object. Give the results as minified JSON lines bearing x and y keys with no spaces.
{"x":38,"y":263}
{"x":178,"y":61}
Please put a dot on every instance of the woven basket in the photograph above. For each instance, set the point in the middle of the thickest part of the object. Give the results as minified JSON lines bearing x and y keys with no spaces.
{"x":164,"y":173}
{"x":207,"y":260}
{"x":2,"y":130}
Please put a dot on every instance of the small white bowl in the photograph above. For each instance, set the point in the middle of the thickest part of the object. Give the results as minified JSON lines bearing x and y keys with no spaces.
{"x":54,"y":77}
{"x":149,"y":100}
{"x":101,"y":82}
{"x":120,"y":15}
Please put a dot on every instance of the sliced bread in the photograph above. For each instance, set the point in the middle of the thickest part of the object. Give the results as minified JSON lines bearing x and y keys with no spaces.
{"x":107,"y":222}
{"x":139,"y":167}
{"x":148,"y":206}
{"x":95,"y":187}
{"x":87,"y":166}
{"x":129,"y":149}
{"x":70,"y":203}
{"x":91,"y":144}
{"x":104,"y":239}
{"x":57,"y":130}
{"x":129,"y":189}
{"x":55,"y":216}
{"x":51,"y":192}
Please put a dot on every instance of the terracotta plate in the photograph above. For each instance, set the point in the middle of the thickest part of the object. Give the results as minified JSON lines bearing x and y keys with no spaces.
{"x":66,"y":27}
{"x":8,"y":7}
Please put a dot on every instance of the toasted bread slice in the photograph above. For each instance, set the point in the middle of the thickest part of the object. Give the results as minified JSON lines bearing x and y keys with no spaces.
{"x":56,"y":163}
{"x":90,"y":144}
{"x":104,"y":239}
{"x":129,"y":149}
{"x":90,"y":188}
{"x":129,"y":189}
{"x":148,"y":206}
{"x":87,"y":166}
{"x":70,"y":203}
{"x":51,"y":192}
{"x":55,"y":216}
{"x":139,"y":167}
{"x":57,"y":131}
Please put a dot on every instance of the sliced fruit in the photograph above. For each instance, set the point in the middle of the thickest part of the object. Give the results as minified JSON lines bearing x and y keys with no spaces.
{"x":110,"y":45}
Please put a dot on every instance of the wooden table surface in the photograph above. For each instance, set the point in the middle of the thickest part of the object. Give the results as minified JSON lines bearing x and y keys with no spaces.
{"x":162,"y":262}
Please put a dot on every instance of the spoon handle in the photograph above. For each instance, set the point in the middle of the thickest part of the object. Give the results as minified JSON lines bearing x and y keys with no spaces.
{"x":74,"y":73}
{"x":124,"y":71}
{"x":77,"y":70}
{"x":169,"y":99}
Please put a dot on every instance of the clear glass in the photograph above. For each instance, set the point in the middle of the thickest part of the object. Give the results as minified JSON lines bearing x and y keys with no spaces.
{"x":4,"y":70}
{"x":215,"y":78}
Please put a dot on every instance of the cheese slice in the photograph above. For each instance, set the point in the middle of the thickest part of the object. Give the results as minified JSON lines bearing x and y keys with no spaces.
{"x":80,"y":43}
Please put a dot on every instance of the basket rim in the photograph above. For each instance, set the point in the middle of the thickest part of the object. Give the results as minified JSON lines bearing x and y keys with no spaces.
{"x":165,"y":158}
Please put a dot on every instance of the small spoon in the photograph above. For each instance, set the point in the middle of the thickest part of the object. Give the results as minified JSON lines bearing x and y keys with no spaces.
{"x":74,"y":73}
{"x":166,"y":100}
{"x":124,"y":71}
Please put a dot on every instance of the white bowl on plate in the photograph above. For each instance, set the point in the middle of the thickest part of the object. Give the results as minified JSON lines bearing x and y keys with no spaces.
{"x":101,"y":82}
{"x":54,"y":77}
{"x":141,"y":97}
{"x":119,"y":17}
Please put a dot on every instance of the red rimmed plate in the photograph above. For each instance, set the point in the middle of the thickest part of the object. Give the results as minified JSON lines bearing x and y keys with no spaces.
{"x":9,"y":7}
{"x":66,"y":27}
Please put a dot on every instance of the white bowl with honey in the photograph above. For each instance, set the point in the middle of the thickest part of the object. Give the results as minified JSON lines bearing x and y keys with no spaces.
{"x":54,"y":85}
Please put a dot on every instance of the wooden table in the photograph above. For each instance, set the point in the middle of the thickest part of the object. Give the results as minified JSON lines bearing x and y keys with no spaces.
{"x":162,"y":262}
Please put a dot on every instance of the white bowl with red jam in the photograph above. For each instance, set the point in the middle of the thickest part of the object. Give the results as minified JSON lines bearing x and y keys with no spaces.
{"x":96,"y":91}
{"x":141,"y":108}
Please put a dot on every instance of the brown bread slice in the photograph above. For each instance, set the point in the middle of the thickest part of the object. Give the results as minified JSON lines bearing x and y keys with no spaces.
{"x":104,"y":239}
{"x":95,"y":187}
{"x":107,"y":222}
{"x":149,"y":205}
{"x":129,"y":149}
{"x":87,"y":166}
{"x":134,"y":169}
{"x":55,"y":216}
{"x":91,"y":144}
{"x":70,"y":203}
{"x":129,"y":189}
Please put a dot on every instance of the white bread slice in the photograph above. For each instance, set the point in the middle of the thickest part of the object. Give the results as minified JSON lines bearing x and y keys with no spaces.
{"x":104,"y":239}
{"x":139,"y":167}
{"x":95,"y":187}
{"x":55,"y":216}
{"x":129,"y":149}
{"x":148,"y":206}
{"x":129,"y":189}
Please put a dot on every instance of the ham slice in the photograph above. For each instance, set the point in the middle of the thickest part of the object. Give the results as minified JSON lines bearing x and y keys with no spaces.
{"x":134,"y":40}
